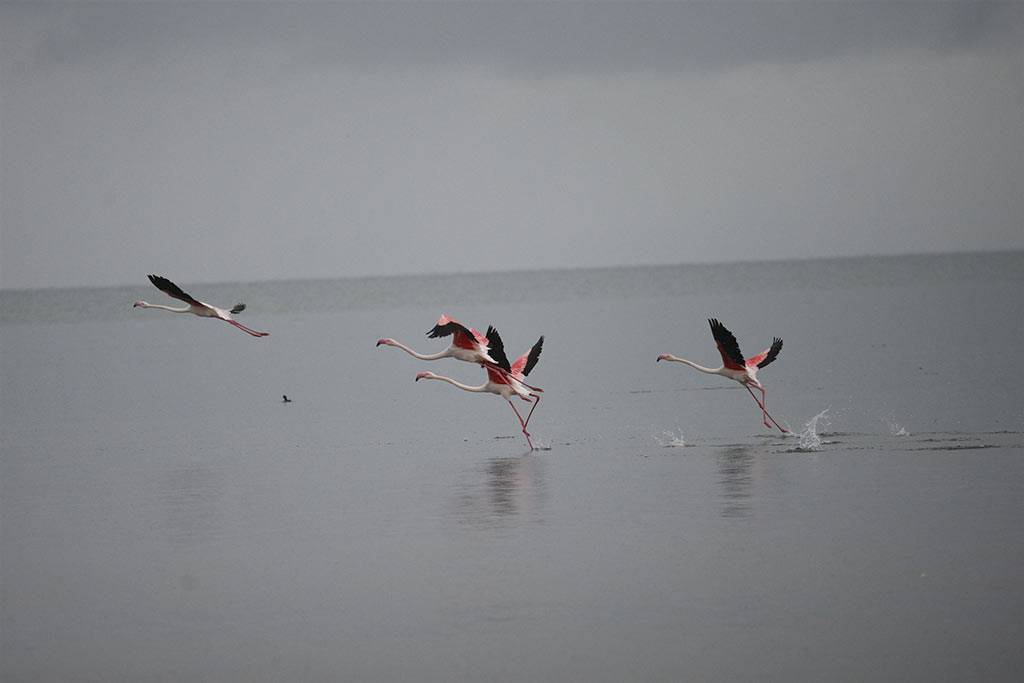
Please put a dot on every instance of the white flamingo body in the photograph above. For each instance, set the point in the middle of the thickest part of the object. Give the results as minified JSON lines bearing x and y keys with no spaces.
{"x":195,"y":306}
{"x":736,"y":367}
{"x":505,"y":380}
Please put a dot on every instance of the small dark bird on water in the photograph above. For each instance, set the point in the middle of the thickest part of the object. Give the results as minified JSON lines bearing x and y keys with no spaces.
{"x":285,"y":399}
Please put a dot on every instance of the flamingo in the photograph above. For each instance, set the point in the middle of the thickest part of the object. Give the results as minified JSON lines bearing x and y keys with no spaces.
{"x":505,"y":380}
{"x":736,"y":368}
{"x":467,"y":345}
{"x":195,"y":307}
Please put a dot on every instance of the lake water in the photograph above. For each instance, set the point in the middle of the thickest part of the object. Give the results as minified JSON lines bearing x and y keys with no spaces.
{"x":166,"y":517}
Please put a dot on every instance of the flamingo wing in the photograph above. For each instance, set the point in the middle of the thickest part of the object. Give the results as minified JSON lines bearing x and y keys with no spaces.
{"x":463,"y":336}
{"x":496,"y":349}
{"x":768,"y":355}
{"x":173,"y":290}
{"x":732,"y":357}
{"x":525,"y":362}
{"x":495,"y":375}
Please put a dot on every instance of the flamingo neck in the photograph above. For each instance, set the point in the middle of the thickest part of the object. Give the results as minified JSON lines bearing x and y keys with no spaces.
{"x":701,"y":368}
{"x":465,"y":387}
{"x":421,"y":356}
{"x":172,"y":309}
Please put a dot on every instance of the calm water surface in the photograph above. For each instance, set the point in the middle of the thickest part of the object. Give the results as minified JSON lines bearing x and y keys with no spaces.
{"x":166,"y":517}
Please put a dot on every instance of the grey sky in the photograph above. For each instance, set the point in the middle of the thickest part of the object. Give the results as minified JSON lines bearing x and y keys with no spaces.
{"x":237,"y":141}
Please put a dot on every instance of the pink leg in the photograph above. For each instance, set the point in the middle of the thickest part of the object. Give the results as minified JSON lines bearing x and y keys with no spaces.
{"x":531,"y":411}
{"x":764,"y":406}
{"x":521,"y":422}
{"x":246,"y":329}
{"x":764,"y":411}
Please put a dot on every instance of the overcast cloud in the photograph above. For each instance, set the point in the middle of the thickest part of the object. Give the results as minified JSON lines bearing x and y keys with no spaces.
{"x":240,"y":141}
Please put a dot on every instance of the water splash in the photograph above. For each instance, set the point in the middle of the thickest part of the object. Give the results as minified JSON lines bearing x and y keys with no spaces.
{"x":810,"y":439}
{"x":670,"y":439}
{"x":895,"y":428}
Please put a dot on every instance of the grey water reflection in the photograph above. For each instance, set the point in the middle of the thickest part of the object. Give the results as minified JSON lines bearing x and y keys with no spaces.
{"x":502,"y":491}
{"x":735,"y":481}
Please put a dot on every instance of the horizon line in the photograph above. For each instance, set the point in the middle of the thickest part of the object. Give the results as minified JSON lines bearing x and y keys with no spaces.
{"x":513,"y":271}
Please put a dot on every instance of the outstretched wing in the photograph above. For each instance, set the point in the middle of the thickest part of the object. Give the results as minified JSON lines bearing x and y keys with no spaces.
{"x":732,"y":358}
{"x":239,"y":307}
{"x":496,"y":349}
{"x":173,"y":290}
{"x":525,"y":363}
{"x":768,"y":355}
{"x":446,"y":327}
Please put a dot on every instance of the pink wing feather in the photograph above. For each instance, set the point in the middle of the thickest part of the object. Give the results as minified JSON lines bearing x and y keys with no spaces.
{"x":767,"y":356}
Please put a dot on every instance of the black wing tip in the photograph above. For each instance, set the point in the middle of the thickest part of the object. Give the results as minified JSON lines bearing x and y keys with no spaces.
{"x":531,"y":360}
{"x":162,"y":283}
{"x":239,"y":307}
{"x":773,"y":352}
{"x":494,"y":339}
{"x":718,"y":329}
{"x":496,"y":349}
{"x":447,"y":330}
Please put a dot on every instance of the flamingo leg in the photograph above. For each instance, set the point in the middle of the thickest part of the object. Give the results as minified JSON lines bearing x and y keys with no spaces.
{"x":530,"y":414}
{"x":246,"y":329}
{"x":764,"y":411}
{"x":521,"y":422}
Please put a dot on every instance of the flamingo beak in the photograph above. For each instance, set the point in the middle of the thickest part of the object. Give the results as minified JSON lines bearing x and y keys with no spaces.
{"x":381,"y":341}
{"x":421,"y":375}
{"x":660,"y":358}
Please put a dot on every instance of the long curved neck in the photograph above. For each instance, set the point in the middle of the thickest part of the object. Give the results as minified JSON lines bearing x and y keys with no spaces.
{"x":172,"y":309}
{"x":421,"y":356}
{"x":465,"y":387}
{"x":710,"y":371}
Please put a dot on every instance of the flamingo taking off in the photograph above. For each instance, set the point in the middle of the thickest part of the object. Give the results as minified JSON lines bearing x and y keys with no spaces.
{"x":506,"y":380}
{"x":467,"y":343}
{"x":736,"y":368}
{"x":195,"y":307}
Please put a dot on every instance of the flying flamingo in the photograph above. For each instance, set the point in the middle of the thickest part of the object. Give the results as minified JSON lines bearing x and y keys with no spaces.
{"x":195,"y":307}
{"x":736,"y":368}
{"x":467,"y":345}
{"x":505,"y":384}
